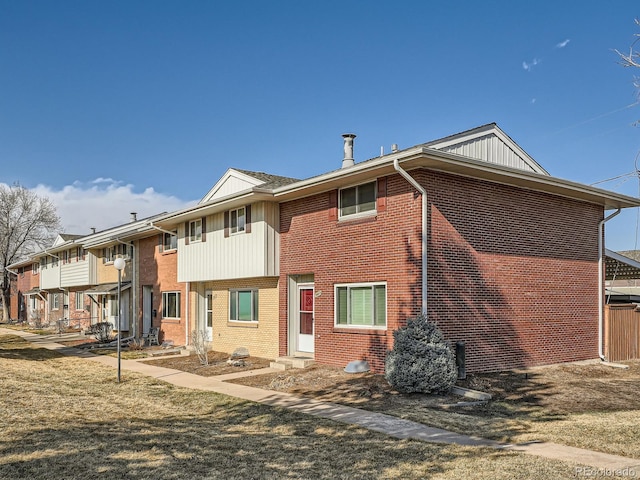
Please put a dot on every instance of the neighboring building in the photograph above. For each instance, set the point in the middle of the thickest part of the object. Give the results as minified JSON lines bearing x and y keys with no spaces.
{"x":228,"y":256}
{"x":468,"y":229}
{"x":27,"y":303}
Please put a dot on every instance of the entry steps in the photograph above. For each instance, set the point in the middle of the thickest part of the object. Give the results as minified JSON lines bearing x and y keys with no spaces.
{"x":285,"y":363}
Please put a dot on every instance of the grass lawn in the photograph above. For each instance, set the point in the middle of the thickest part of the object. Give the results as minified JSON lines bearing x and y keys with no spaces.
{"x":62,"y":417}
{"x":588,"y":406}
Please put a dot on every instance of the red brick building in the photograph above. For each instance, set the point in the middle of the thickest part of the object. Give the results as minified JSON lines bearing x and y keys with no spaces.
{"x":511,"y":255}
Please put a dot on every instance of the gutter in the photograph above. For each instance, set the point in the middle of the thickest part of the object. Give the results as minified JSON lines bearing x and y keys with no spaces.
{"x":601,"y":282}
{"x":425,"y":207}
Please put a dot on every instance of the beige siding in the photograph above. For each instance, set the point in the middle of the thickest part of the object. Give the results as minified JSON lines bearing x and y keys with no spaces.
{"x":78,"y":273}
{"x":243,"y":255}
{"x":50,"y":277}
{"x":490,"y":149}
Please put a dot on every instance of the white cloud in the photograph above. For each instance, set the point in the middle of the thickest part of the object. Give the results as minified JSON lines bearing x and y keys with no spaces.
{"x":105,"y":203}
{"x":533,"y":100}
{"x":529,"y":66}
{"x":563,"y":43}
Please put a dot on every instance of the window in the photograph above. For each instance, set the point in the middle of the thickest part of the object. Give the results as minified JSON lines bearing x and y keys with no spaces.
{"x":237,"y":218}
{"x":55,"y":260}
{"x":243,"y":305}
{"x":79,"y":254}
{"x":79,"y":300}
{"x":361,"y":305}
{"x":359,"y":199}
{"x":55,"y":301}
{"x":170,"y":304}
{"x":65,"y":256}
{"x":35,"y":268}
{"x":170,"y":241}
{"x":195,"y":231}
{"x":109,"y":254}
{"x":43,"y":263}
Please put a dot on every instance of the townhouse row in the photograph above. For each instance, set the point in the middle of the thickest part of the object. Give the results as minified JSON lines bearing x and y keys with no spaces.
{"x":467,"y":229}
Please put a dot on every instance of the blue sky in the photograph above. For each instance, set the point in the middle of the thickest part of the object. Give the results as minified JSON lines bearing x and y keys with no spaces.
{"x":111,"y":107}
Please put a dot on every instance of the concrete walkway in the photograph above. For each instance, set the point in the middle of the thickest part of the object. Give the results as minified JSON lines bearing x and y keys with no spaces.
{"x":393,"y":426}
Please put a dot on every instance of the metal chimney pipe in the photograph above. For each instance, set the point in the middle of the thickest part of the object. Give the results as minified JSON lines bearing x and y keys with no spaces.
{"x":348,"y":161}
{"x":134,"y":216}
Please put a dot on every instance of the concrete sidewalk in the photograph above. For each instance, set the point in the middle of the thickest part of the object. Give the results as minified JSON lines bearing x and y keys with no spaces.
{"x":379,"y":422}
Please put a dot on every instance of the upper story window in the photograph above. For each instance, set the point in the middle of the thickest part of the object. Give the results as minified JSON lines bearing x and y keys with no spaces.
{"x":79,"y":254}
{"x":358,"y":199}
{"x":109,"y":254}
{"x":195,"y":230}
{"x":237,"y":220}
{"x":35,"y":268}
{"x":43,"y":263}
{"x":361,"y":305}
{"x":169,"y":241}
{"x":66,"y":255}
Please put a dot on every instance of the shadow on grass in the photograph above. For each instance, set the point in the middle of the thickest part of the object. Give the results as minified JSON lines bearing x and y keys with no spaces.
{"x":15,"y":347}
{"x":235,"y":440}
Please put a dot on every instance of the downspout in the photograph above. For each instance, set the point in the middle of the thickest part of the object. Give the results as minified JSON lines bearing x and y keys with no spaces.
{"x":601,"y":283}
{"x":186,"y":314}
{"x":134,"y":286}
{"x":46,"y":302}
{"x":425,"y":210}
{"x":187,"y":290}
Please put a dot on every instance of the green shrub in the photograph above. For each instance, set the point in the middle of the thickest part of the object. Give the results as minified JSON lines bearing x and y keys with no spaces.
{"x":421,"y":360}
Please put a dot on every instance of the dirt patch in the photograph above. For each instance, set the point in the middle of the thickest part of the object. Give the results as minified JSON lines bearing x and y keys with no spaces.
{"x":217,"y":364}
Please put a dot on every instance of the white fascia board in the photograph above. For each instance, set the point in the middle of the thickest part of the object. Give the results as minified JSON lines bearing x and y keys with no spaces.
{"x":231,"y":172}
{"x":215,"y":206}
{"x":431,"y":159}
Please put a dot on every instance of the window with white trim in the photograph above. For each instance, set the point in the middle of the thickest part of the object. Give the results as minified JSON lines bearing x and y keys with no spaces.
{"x":357,"y":200}
{"x":43,"y":263}
{"x":237,"y":220}
{"x":55,"y":301}
{"x":169,"y":241}
{"x":243,"y":305}
{"x":361,"y":305}
{"x":170,"y":304}
{"x":195,"y":231}
{"x":79,"y":300}
{"x":35,"y":268}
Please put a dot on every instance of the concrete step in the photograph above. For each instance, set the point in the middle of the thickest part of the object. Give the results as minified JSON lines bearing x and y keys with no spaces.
{"x":285,"y":363}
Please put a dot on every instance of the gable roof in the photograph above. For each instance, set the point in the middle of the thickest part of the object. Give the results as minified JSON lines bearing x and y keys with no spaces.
{"x":623,"y":265}
{"x":236,"y":180}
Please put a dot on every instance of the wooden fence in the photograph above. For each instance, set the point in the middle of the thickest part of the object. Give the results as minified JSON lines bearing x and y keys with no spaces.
{"x":621,"y":332}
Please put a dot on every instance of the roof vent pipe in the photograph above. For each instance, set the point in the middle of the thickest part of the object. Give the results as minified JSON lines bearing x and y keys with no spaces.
{"x":394,"y":147}
{"x":93,"y":230}
{"x":348,"y":161}
{"x":134,"y":216}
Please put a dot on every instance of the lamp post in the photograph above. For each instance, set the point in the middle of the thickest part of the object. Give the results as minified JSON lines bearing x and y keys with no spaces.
{"x":119,"y":264}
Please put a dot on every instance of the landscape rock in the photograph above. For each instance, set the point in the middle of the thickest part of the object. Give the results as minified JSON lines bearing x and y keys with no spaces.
{"x":240,"y":352}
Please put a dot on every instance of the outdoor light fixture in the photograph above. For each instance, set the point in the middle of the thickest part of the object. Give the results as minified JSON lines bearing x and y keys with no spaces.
{"x":119,"y":264}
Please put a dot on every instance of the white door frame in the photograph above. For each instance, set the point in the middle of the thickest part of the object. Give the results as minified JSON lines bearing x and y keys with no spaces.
{"x":207,"y":321}
{"x":304,"y":342}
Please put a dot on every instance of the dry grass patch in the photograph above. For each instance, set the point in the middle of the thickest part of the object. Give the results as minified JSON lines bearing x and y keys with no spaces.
{"x":217,"y":364}
{"x":589,"y":406}
{"x":64,"y":417}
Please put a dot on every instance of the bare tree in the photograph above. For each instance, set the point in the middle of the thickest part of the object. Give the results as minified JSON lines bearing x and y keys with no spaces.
{"x":28,"y":223}
{"x":631,"y":59}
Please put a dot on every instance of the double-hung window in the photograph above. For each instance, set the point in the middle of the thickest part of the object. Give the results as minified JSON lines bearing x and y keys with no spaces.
{"x":170,"y":304}
{"x":243,"y":305}
{"x":195,"y":231}
{"x":55,"y":301}
{"x":358,"y":199}
{"x":237,"y":220}
{"x":362,"y":305}
{"x":35,"y":268}
{"x":79,"y":300}
{"x":170,"y":241}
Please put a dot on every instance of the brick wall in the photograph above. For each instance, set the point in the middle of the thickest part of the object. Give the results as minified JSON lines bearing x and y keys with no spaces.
{"x":512,"y":272}
{"x":260,"y":338}
{"x":159,"y":269}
